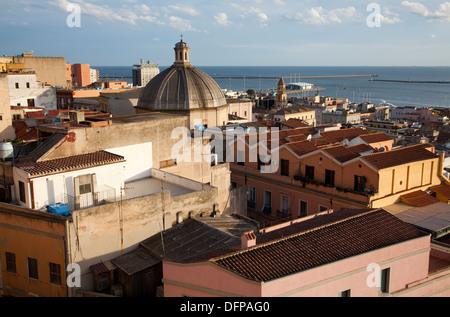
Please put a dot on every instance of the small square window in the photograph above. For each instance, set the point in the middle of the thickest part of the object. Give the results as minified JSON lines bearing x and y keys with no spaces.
{"x":10,"y":262}
{"x":55,"y":273}
{"x":33,"y":268}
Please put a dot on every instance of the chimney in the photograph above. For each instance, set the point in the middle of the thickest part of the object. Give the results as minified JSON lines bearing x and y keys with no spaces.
{"x":248,"y":240}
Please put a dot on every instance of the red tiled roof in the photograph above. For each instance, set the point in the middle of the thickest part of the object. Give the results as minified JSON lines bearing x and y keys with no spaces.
{"x":339,"y":135}
{"x":341,"y":153}
{"x":442,"y":189}
{"x":35,"y":114}
{"x":70,"y":163}
{"x":419,"y":199}
{"x":296,"y":138}
{"x":294,"y":123}
{"x":302,"y":148}
{"x":400,"y":156}
{"x":360,"y":148}
{"x":313,"y":247}
{"x":375,"y":137}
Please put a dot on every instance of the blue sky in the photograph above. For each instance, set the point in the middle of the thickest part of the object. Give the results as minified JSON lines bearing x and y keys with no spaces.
{"x":236,"y":32}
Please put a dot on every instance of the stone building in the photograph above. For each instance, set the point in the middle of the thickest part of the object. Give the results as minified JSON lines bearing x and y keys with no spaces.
{"x":183,"y":89}
{"x":143,"y":73}
{"x":98,"y":187}
{"x":281,"y":97}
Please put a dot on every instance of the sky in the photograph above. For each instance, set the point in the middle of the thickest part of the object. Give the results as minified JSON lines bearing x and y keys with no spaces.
{"x":231,"y":33}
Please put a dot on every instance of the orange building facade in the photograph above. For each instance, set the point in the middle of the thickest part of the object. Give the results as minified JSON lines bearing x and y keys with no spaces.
{"x":78,"y":75}
{"x":37,"y":267}
{"x":312,"y":178}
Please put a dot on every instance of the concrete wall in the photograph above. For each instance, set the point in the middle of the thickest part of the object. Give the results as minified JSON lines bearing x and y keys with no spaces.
{"x":49,"y":70}
{"x":241,"y":109}
{"x":43,"y":96}
{"x":6,"y":129}
{"x":138,"y":159}
{"x":105,"y":232}
{"x":121,"y":133}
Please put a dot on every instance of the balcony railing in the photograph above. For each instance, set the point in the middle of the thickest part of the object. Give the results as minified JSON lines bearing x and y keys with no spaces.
{"x":108,"y":195}
{"x":284,"y":213}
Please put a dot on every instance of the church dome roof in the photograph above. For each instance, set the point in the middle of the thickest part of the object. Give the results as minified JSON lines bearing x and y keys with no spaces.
{"x":181,"y":87}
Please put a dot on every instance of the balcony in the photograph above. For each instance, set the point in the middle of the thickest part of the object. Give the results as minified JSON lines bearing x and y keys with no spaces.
{"x":284,"y":214}
{"x":104,"y":196}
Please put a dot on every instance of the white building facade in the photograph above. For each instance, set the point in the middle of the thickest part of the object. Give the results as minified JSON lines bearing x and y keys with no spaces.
{"x":26,"y":91}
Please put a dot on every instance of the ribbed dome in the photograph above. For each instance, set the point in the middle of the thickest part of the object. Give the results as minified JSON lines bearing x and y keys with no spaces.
{"x":181,"y":87}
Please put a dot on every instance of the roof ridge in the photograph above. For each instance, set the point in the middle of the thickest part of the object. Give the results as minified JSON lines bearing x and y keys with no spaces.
{"x":264,"y":244}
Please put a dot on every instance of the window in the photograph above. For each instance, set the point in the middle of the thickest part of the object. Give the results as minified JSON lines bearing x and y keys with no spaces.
{"x":360,"y":183}
{"x":329,"y":178}
{"x":385,"y":277}
{"x":251,"y":193}
{"x":17,"y":85}
{"x":22,"y":192}
{"x":303,"y":212}
{"x":284,"y":167}
{"x":267,"y":209}
{"x":28,"y":85}
{"x":284,"y":203}
{"x":309,"y":172}
{"x":241,"y":158}
{"x":55,"y":273}
{"x":345,"y":293}
{"x":30,"y":103}
{"x":33,"y":268}
{"x":10,"y":262}
{"x":85,"y":184}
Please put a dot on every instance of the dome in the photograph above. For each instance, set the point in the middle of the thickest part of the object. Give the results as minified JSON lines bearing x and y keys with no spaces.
{"x":181,"y":87}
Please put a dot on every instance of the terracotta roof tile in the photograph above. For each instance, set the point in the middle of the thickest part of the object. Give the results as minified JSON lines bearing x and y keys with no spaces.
{"x":442,"y":189}
{"x":294,"y":123}
{"x":419,"y":199}
{"x":340,"y":135}
{"x":313,"y":247}
{"x":302,"y":148}
{"x":375,"y":137}
{"x":360,"y":148}
{"x":70,"y":163}
{"x":400,"y":156}
{"x":341,"y":153}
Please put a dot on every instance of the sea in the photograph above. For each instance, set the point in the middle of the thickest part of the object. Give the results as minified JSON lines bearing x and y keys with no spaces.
{"x":395,"y":86}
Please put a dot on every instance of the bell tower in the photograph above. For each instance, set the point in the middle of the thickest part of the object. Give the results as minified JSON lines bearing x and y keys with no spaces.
{"x":182,"y":53}
{"x":281,"y":98}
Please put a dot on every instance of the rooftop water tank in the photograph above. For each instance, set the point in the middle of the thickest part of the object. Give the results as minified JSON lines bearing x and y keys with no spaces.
{"x":6,"y":151}
{"x":59,"y":209}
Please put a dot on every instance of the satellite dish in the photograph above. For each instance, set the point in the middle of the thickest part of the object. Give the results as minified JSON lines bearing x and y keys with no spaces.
{"x":345,"y":142}
{"x":309,"y":138}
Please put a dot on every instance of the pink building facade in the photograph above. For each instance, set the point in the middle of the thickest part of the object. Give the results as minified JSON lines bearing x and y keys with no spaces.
{"x":280,"y":267}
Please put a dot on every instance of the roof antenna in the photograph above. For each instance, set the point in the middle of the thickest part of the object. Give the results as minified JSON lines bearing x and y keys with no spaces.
{"x":181,"y":38}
